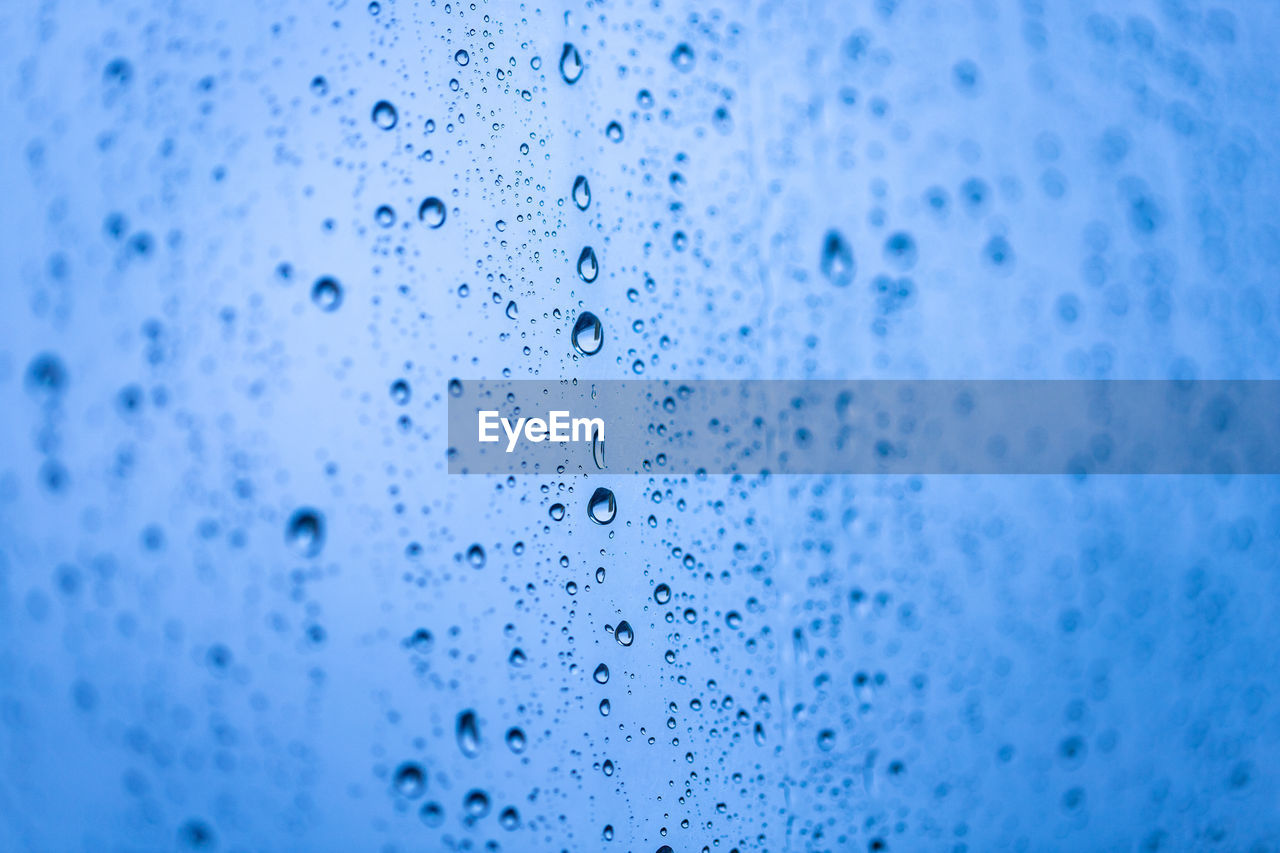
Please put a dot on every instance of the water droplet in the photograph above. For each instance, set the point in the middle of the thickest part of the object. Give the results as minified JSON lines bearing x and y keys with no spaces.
{"x":602,"y":507}
{"x":476,"y":804}
{"x":600,"y":574}
{"x":517,"y":658}
{"x":623,"y":633}
{"x":662,"y":593}
{"x":431,"y":212}
{"x":432,"y":814}
{"x":516,"y":740}
{"x":826,"y":740}
{"x":588,"y":266}
{"x":900,"y":250}
{"x":385,"y":216}
{"x":570,"y":64}
{"x":475,"y":556}
{"x":605,"y":707}
{"x":556,"y":512}
{"x":588,"y":334}
{"x":613,"y":132}
{"x":733,"y":619}
{"x":46,"y":375}
{"x":597,"y":449}
{"x":682,"y":57}
{"x":509,"y":819}
{"x":409,"y":780}
{"x":581,"y":192}
{"x":468,"y":731}
{"x":400,"y":392}
{"x":319,"y":86}
{"x":601,"y":675}
{"x":455,"y":387}
{"x":384,"y":115}
{"x":512,"y":310}
{"x":837,"y":259}
{"x":305,"y":532}
{"x":326,"y":294}
{"x":462,"y":57}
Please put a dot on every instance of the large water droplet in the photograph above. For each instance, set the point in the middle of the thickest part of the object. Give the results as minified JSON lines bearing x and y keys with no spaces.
{"x":588,"y":334}
{"x":570,"y":64}
{"x":475,"y":556}
{"x":581,"y":192}
{"x":513,"y":310}
{"x":588,"y":266}
{"x":431,"y":212}
{"x":305,"y":532}
{"x":384,"y":115}
{"x":837,"y":259}
{"x":602,"y":507}
{"x":509,"y":819}
{"x":409,"y":780}
{"x":462,"y":57}
{"x":662,"y":593}
{"x":623,"y":633}
{"x":326,"y":294}
{"x":601,"y":675}
{"x":468,"y":734}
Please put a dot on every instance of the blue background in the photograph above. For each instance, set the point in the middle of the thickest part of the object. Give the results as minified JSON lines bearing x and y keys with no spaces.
{"x":1016,"y":190}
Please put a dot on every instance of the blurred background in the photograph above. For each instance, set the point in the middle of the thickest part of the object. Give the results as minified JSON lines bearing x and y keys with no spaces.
{"x":251,"y":248}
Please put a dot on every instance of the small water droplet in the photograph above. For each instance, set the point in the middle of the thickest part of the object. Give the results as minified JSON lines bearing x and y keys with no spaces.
{"x":662,"y":593}
{"x":512,"y":310}
{"x":837,"y":259}
{"x":468,"y":731}
{"x":476,"y":804}
{"x":516,"y":740}
{"x":588,"y":266}
{"x":432,"y":814}
{"x":613,"y":131}
{"x":431,"y":212}
{"x":509,"y":819}
{"x":409,"y":780}
{"x":602,"y":507}
{"x":400,"y":392}
{"x":305,"y":532}
{"x":462,"y":57}
{"x":556,"y":512}
{"x":682,"y":57}
{"x":733,"y":619}
{"x":588,"y":334}
{"x":385,"y":115}
{"x":623,"y":633}
{"x":601,"y":675}
{"x":475,"y":556}
{"x":326,"y":294}
{"x":385,"y":216}
{"x":581,"y":192}
{"x":570,"y":64}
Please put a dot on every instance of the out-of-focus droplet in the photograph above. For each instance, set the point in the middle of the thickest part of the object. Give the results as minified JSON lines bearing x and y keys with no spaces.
{"x":602,"y":507}
{"x":837,"y":262}
{"x":305,"y":532}
{"x":588,"y":266}
{"x":326,"y":294}
{"x":432,"y":814}
{"x":570,"y":64}
{"x":400,"y":392}
{"x":613,"y":131}
{"x":588,"y":334}
{"x":601,"y":675}
{"x":581,"y":192}
{"x":385,"y":115}
{"x":509,"y":819}
{"x":468,"y":731}
{"x":431,"y":212}
{"x":475,"y":556}
{"x":623,"y":633}
{"x":385,"y":216}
